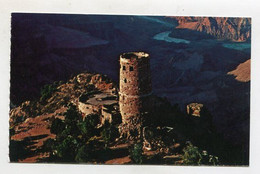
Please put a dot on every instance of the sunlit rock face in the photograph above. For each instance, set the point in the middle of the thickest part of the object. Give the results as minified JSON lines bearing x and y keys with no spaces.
{"x":235,"y":29}
{"x":242,"y":72}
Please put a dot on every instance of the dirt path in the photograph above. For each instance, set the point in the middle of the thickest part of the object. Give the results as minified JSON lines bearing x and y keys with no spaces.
{"x":122,"y":160}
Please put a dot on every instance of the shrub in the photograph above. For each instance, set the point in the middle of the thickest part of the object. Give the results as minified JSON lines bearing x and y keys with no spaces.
{"x":209,"y":159}
{"x":19,"y":119}
{"x":48,"y":145}
{"x":72,"y":142}
{"x":57,"y":126}
{"x":86,"y":130}
{"x":191,"y":155}
{"x":106,"y":133}
{"x":83,"y":154}
{"x":66,"y":150}
{"x":87,"y":127}
{"x":213,"y":160}
{"x":92,"y":119}
{"x":136,"y":153}
{"x":72,"y":114}
{"x":48,"y":90}
{"x":109,"y":132}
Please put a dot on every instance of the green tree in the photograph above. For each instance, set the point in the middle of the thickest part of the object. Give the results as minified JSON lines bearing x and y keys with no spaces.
{"x":72,"y":142}
{"x":109,"y":133}
{"x":66,"y":150}
{"x":72,"y":114}
{"x":48,"y":90}
{"x":83,"y":154}
{"x":88,"y":126}
{"x":106,"y":133}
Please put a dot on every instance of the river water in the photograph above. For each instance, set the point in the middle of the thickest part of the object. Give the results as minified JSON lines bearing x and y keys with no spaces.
{"x":165,"y":37}
{"x":237,"y":46}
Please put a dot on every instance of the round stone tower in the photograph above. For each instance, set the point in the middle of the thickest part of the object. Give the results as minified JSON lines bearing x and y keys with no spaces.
{"x":134,"y":90}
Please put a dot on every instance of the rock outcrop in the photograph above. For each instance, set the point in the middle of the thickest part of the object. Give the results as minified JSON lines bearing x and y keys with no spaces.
{"x":235,"y":29}
{"x":242,"y":72}
{"x":31,"y":120}
{"x":194,"y":109}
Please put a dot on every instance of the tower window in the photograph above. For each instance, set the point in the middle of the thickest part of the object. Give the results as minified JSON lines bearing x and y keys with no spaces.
{"x":123,"y":67}
{"x":125,"y":80}
{"x":131,"y":68}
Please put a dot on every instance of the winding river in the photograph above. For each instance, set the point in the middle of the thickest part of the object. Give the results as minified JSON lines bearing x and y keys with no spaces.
{"x":165,"y":37}
{"x":237,"y":46}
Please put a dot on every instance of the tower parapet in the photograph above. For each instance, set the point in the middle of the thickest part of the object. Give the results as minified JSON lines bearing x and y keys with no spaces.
{"x":135,"y":88}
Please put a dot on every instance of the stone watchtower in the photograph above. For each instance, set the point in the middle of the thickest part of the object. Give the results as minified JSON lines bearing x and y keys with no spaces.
{"x":135,"y":88}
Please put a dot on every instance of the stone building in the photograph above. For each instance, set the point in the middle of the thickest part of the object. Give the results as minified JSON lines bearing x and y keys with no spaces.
{"x":135,"y":88}
{"x":194,"y":109}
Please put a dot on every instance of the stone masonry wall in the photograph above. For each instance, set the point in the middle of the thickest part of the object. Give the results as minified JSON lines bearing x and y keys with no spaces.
{"x":135,"y":86}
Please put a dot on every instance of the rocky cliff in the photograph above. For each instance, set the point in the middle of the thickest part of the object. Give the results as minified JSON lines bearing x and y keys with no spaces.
{"x":235,"y":29}
{"x":30,"y":122}
{"x":242,"y":72}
